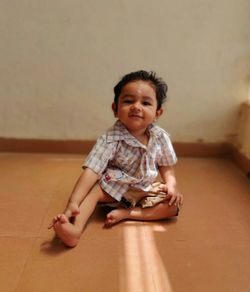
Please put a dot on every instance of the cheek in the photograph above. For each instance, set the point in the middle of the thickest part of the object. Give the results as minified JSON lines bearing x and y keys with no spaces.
{"x":123,"y":108}
{"x":121,"y":112}
{"x":151,"y":111}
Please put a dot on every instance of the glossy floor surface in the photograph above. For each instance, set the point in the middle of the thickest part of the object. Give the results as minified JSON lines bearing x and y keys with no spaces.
{"x":206,"y":249}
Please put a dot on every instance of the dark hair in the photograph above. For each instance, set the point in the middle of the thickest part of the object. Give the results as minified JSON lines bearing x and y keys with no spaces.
{"x":159,"y":85}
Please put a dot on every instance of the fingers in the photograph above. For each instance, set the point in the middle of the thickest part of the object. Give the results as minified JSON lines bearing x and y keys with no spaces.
{"x":68,"y":213}
{"x":176,"y":199}
{"x":163,"y":188}
{"x":172,"y":200}
{"x":181,"y":200}
{"x":72,"y":211}
{"x":75,"y":212}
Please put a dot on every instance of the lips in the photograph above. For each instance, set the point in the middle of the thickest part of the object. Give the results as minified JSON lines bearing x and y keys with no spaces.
{"x":135,"y":116}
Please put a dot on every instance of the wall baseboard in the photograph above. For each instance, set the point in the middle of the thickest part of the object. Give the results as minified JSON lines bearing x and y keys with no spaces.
{"x":201,"y":149}
{"x":183,"y":149}
{"x":45,"y":146}
{"x":239,"y":159}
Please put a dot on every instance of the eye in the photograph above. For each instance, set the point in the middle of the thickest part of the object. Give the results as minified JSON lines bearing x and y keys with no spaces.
{"x":146,"y":103}
{"x":127,"y":101}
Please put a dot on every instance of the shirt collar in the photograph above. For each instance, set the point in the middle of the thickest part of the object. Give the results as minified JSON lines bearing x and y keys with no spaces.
{"x":120,"y":133}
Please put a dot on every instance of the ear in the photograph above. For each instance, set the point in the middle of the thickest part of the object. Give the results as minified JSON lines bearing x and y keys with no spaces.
{"x":114,"y":109}
{"x":159,"y":112}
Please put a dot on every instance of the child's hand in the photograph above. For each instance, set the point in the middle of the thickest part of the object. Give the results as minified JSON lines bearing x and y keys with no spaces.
{"x":174,"y":196}
{"x":72,"y":210}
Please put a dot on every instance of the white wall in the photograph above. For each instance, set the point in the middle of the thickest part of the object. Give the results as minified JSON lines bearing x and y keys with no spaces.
{"x":60,"y":60}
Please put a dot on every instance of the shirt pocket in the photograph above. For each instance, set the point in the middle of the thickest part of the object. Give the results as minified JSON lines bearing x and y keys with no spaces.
{"x":126,"y":158}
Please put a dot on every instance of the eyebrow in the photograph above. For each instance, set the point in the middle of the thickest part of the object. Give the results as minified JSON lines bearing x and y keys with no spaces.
{"x":127,"y":95}
{"x":132,"y":95}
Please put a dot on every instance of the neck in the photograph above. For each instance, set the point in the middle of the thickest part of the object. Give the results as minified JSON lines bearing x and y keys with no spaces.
{"x":141,"y":136}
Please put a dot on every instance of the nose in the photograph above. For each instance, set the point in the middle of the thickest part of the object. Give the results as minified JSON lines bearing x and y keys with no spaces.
{"x":135,"y":106}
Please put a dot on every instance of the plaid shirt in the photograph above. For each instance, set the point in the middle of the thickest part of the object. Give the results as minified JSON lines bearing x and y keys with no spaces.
{"x":123,"y":162}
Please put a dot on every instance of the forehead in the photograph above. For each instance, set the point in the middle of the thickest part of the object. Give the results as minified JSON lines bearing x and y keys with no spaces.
{"x":139,"y":87}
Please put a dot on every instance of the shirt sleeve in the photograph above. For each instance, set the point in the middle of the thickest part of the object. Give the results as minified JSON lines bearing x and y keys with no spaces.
{"x":167,"y":156}
{"x":100,"y":155}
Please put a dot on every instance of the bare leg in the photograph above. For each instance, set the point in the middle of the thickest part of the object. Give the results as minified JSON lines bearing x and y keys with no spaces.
{"x":160,"y":211}
{"x":70,"y":233}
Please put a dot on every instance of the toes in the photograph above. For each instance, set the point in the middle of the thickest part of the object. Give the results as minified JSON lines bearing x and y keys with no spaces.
{"x":56,"y":226}
{"x":54,"y":221}
{"x":109,"y":217}
{"x":108,"y":224}
{"x":51,"y":225}
{"x":64,"y":219}
{"x":110,"y":220}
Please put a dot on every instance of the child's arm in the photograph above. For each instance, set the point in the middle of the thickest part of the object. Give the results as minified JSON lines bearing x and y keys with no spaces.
{"x":82,"y":187}
{"x":169,"y":185}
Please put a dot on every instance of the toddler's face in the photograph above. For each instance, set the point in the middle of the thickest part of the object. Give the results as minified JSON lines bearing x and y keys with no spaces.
{"x":137,"y":105}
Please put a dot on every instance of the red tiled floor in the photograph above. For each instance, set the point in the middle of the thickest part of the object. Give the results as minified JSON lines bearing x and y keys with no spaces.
{"x":205,"y":249}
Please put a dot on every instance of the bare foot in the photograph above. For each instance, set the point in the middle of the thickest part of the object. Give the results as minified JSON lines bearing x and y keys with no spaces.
{"x":66,"y":231}
{"x":116,"y":216}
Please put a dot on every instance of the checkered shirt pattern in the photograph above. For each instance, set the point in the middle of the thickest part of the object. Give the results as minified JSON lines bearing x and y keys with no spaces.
{"x":121,"y":161}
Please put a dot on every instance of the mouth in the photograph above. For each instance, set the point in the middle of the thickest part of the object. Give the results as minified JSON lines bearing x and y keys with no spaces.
{"x":134,"y":116}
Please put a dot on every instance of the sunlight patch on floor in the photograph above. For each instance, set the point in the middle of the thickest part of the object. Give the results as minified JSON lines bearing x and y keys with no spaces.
{"x":142,"y":268}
